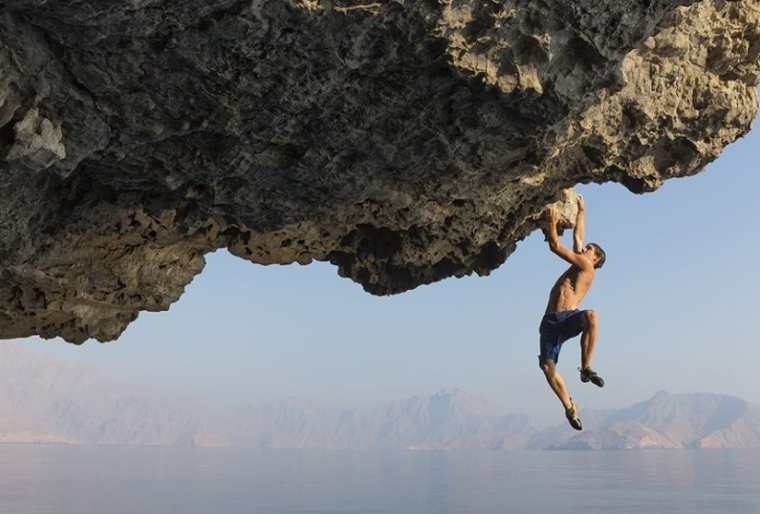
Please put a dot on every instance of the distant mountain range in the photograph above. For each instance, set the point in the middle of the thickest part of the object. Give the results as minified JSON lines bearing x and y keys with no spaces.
{"x":697,"y":420}
{"x":44,"y":400}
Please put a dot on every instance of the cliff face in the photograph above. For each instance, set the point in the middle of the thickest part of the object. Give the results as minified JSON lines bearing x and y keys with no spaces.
{"x":403,"y":141}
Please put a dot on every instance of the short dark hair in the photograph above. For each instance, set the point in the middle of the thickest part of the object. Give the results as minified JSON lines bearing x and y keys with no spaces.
{"x":600,"y":253}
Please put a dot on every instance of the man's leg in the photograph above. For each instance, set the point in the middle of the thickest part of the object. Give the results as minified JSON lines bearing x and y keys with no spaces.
{"x":556,"y":382}
{"x":588,"y":339}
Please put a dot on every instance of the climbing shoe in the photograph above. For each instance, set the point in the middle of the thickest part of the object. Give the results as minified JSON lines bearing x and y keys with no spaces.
{"x":589,"y":375}
{"x":572,"y":416}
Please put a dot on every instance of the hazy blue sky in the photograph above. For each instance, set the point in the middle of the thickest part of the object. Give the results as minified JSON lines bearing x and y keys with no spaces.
{"x":678,"y":302}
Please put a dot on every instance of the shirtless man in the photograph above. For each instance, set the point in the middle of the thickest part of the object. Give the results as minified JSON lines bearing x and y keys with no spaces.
{"x":563,"y":320}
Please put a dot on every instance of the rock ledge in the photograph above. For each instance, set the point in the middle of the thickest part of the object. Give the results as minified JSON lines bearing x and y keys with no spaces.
{"x":403,"y":141}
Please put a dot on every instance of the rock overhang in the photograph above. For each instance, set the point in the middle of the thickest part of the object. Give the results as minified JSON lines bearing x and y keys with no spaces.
{"x":405,"y":142}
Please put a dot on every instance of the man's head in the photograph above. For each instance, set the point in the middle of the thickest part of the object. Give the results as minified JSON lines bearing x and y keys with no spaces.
{"x":596,"y":254}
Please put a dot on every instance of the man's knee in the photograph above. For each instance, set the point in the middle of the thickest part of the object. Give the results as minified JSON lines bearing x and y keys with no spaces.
{"x":592,"y":318}
{"x":547,"y":366}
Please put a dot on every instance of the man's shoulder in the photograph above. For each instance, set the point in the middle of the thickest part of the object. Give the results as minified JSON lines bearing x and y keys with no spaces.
{"x":587,"y":266}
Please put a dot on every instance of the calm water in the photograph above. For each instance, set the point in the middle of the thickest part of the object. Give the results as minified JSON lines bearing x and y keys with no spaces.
{"x":72,"y":480}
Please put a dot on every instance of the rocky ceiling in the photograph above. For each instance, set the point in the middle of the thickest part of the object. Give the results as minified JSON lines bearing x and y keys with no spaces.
{"x":405,"y":141}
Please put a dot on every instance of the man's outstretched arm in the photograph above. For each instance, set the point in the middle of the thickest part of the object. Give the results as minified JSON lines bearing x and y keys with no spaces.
{"x":579,"y":233}
{"x":556,"y":246}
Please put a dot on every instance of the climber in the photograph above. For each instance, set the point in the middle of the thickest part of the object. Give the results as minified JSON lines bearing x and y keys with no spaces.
{"x":563,"y":320}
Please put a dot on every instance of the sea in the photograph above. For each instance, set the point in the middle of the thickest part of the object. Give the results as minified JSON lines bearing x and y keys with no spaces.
{"x":58,"y":479}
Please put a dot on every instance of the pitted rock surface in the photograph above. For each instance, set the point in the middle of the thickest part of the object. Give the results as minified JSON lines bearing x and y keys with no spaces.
{"x":403,"y":141}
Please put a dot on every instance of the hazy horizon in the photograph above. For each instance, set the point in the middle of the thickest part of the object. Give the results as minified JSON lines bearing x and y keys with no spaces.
{"x":48,"y":364}
{"x":676,"y":301}
{"x":49,"y":400}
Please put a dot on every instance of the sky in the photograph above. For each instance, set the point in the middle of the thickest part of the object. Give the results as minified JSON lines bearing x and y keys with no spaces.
{"x":677,"y":301}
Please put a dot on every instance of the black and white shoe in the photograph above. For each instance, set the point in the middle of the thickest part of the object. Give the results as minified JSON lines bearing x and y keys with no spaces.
{"x":589,"y":375}
{"x":572,"y":416}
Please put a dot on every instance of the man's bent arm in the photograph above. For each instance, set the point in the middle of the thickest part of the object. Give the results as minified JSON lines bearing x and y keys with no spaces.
{"x":579,"y":233}
{"x":556,"y":246}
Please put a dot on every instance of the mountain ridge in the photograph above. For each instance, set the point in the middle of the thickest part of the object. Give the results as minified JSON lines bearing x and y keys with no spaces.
{"x":44,"y":400}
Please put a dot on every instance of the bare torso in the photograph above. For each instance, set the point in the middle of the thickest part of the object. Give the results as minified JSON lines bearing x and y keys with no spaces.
{"x":569,"y":289}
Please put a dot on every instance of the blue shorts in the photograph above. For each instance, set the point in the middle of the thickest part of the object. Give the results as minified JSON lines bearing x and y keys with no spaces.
{"x":556,"y":328}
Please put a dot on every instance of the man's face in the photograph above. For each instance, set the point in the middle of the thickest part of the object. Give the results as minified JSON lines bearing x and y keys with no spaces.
{"x":590,"y":252}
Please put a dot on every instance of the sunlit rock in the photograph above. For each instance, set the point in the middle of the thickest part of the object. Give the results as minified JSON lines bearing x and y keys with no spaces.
{"x":403,"y":141}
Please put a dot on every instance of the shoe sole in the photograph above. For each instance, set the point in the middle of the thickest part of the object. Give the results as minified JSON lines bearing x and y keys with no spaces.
{"x":575,"y":421}
{"x":600,"y":383}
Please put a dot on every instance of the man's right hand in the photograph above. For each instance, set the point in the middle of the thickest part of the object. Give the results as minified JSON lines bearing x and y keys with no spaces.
{"x":551,"y":215}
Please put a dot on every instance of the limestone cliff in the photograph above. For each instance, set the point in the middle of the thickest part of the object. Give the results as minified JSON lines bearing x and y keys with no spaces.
{"x":405,"y":141}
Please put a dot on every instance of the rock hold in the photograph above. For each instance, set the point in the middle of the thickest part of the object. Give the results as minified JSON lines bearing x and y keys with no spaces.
{"x":37,"y":143}
{"x":405,"y":142}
